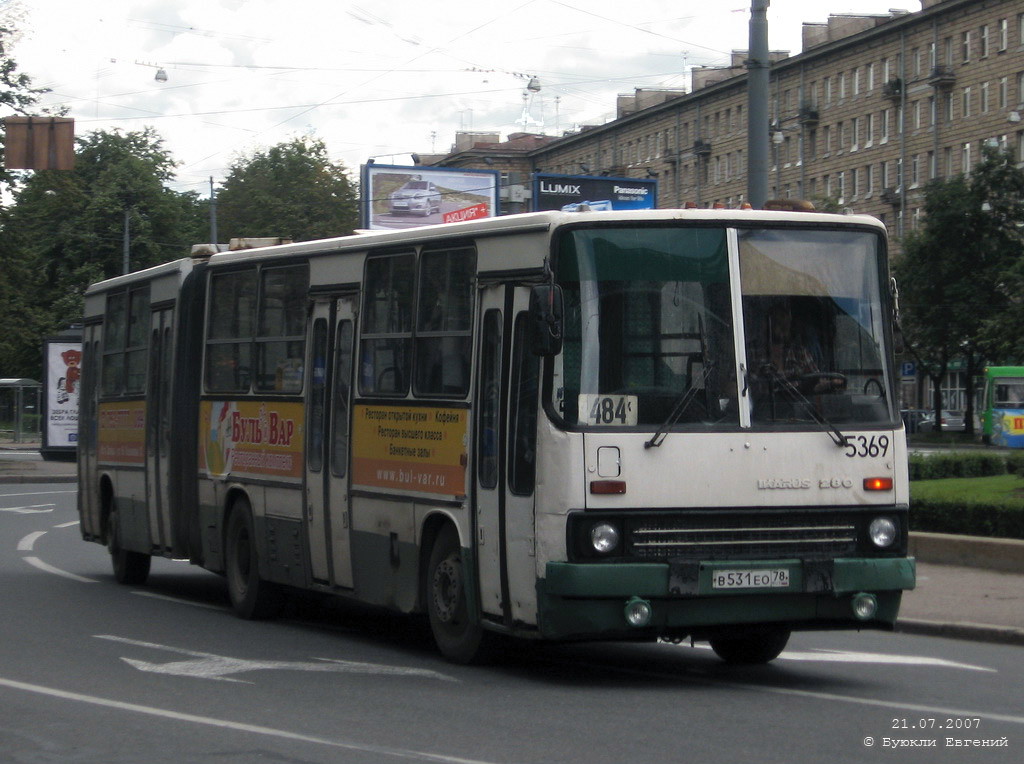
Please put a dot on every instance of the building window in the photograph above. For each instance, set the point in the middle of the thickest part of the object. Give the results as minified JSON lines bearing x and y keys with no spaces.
{"x":885,"y":125}
{"x":870,"y":79}
{"x":966,"y":108}
{"x":984,"y":98}
{"x":966,"y":158}
{"x":983,"y":42}
{"x":869,"y":180}
{"x":965,"y":46}
{"x":855,"y":130}
{"x":1004,"y":88}
{"x":856,"y":80}
{"x":915,"y":170}
{"x":869,"y":137}
{"x":1004,"y":34}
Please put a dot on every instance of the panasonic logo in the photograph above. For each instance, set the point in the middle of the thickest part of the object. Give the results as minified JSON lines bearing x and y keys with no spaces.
{"x":626,"y":190}
{"x":567,"y":189}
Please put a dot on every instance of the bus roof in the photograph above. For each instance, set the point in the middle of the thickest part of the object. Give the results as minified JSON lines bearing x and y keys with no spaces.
{"x":532,"y":222}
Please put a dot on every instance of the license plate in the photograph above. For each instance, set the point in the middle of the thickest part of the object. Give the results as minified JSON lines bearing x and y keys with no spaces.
{"x":770,"y":578}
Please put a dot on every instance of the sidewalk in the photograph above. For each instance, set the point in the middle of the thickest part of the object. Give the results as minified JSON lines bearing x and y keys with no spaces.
{"x":967,"y":587}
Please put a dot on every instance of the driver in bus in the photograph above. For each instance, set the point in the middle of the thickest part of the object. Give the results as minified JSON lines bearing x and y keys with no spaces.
{"x":794,"y":351}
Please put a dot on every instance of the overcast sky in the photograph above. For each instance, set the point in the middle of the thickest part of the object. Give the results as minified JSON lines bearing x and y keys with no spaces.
{"x":371,"y":78}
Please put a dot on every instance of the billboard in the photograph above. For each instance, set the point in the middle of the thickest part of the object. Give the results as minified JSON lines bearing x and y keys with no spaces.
{"x":572,"y":192}
{"x":403,"y":197}
{"x":62,"y":380}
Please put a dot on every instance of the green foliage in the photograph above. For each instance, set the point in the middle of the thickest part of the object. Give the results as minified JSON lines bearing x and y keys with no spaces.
{"x":956,"y":465}
{"x":990,"y":506}
{"x":960,"y":273}
{"x":66,"y":231}
{"x":291,"y":190}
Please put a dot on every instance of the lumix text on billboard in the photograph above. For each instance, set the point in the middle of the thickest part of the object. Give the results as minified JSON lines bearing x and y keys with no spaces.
{"x":576,"y":192}
{"x":403,"y":197}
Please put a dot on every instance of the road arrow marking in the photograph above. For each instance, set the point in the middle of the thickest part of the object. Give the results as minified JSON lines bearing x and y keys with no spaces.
{"x":221,"y":667}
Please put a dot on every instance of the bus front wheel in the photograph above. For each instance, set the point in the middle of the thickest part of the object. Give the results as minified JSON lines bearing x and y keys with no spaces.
{"x":251,"y":597}
{"x":458,"y":636}
{"x":757,"y":646}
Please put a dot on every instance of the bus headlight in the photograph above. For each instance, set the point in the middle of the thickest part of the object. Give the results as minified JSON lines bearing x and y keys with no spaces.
{"x":604,"y":537}
{"x":883,"y":532}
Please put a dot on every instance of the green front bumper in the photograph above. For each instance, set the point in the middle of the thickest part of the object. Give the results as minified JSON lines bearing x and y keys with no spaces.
{"x":587,"y":601}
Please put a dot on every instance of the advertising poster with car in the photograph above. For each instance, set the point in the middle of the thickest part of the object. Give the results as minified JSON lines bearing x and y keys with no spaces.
{"x":404,"y":197}
{"x":571,"y":193}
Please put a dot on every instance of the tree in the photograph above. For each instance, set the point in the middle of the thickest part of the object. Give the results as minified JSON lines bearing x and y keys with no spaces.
{"x":66,"y":231}
{"x":17,"y":93}
{"x":954,"y":273}
{"x":291,"y":190}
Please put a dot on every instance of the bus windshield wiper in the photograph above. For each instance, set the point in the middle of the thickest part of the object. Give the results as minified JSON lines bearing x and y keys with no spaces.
{"x":830,"y":428}
{"x":680,"y":408}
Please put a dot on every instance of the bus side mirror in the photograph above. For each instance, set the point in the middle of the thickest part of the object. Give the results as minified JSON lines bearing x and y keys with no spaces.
{"x":546,"y":320}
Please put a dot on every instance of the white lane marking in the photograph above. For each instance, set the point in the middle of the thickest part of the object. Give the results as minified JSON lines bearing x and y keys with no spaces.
{"x":67,"y":525}
{"x":35,"y":562}
{"x":33,"y":509}
{"x":845,"y":656}
{"x":34,"y":493}
{"x":876,"y":702}
{"x":29,"y":541}
{"x":399,"y":753}
{"x":179,"y":600}
{"x":219,"y":667}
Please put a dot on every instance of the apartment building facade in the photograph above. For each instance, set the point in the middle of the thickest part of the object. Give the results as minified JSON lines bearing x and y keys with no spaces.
{"x":871,"y":110}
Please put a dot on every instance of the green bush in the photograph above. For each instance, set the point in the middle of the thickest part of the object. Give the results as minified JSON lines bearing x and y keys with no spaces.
{"x":953,"y":464}
{"x":982,"y":519}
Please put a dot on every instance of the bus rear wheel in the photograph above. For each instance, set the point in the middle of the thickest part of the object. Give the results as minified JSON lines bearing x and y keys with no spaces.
{"x":251,"y":597}
{"x":756,"y":646}
{"x":130,"y":568}
{"x":457,"y":635}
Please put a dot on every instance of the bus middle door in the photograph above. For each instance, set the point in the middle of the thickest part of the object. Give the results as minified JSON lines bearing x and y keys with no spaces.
{"x":329,"y":385}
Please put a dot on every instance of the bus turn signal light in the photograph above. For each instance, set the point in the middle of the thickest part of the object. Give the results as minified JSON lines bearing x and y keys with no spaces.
{"x":607,"y":486}
{"x":878,"y":484}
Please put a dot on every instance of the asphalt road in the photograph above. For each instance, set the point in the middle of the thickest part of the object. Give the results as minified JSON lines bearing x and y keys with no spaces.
{"x":91,"y":671}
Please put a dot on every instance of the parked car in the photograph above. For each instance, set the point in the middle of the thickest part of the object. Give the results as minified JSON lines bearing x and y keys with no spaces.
{"x":912,"y":419}
{"x":416,"y":196}
{"x":952,"y":421}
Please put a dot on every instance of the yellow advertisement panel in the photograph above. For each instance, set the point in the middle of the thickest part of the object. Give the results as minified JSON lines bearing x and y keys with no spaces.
{"x":410,"y":448}
{"x":122,"y":432}
{"x":256,"y":438}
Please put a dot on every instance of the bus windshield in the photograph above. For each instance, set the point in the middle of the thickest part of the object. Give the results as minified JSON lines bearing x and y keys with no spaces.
{"x":652,"y":328}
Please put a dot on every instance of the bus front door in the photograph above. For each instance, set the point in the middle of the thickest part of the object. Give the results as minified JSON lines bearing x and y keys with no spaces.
{"x":329,"y":386}
{"x":505,"y":438}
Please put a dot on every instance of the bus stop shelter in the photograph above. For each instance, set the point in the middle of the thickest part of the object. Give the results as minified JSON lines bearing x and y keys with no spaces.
{"x":19,"y":410}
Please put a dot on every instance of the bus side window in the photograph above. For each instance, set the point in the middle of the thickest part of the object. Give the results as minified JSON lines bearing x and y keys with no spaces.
{"x":229,"y":331}
{"x":386,"y":349}
{"x":444,"y":322}
{"x":125,"y":342}
{"x":280,"y":339}
{"x":523,"y":416}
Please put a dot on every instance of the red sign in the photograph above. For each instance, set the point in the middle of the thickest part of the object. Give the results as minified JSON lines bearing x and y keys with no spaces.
{"x":467,"y":213}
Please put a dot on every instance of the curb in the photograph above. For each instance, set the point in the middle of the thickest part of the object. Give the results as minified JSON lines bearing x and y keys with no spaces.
{"x":1003,"y":555}
{"x":12,"y":479}
{"x":977,"y":632}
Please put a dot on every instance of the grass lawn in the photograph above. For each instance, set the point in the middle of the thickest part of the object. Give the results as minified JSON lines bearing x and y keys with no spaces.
{"x":998,"y":489}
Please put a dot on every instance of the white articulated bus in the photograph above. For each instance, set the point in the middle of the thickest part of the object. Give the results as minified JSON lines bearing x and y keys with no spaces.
{"x":567,"y":426}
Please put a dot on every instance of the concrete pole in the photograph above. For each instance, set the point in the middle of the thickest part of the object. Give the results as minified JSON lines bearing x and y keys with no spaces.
{"x":758,"y":69}
{"x":126,"y":243}
{"x":213,"y":213}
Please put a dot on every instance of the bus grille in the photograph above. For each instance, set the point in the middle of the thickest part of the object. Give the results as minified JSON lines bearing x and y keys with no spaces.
{"x":707,"y":538}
